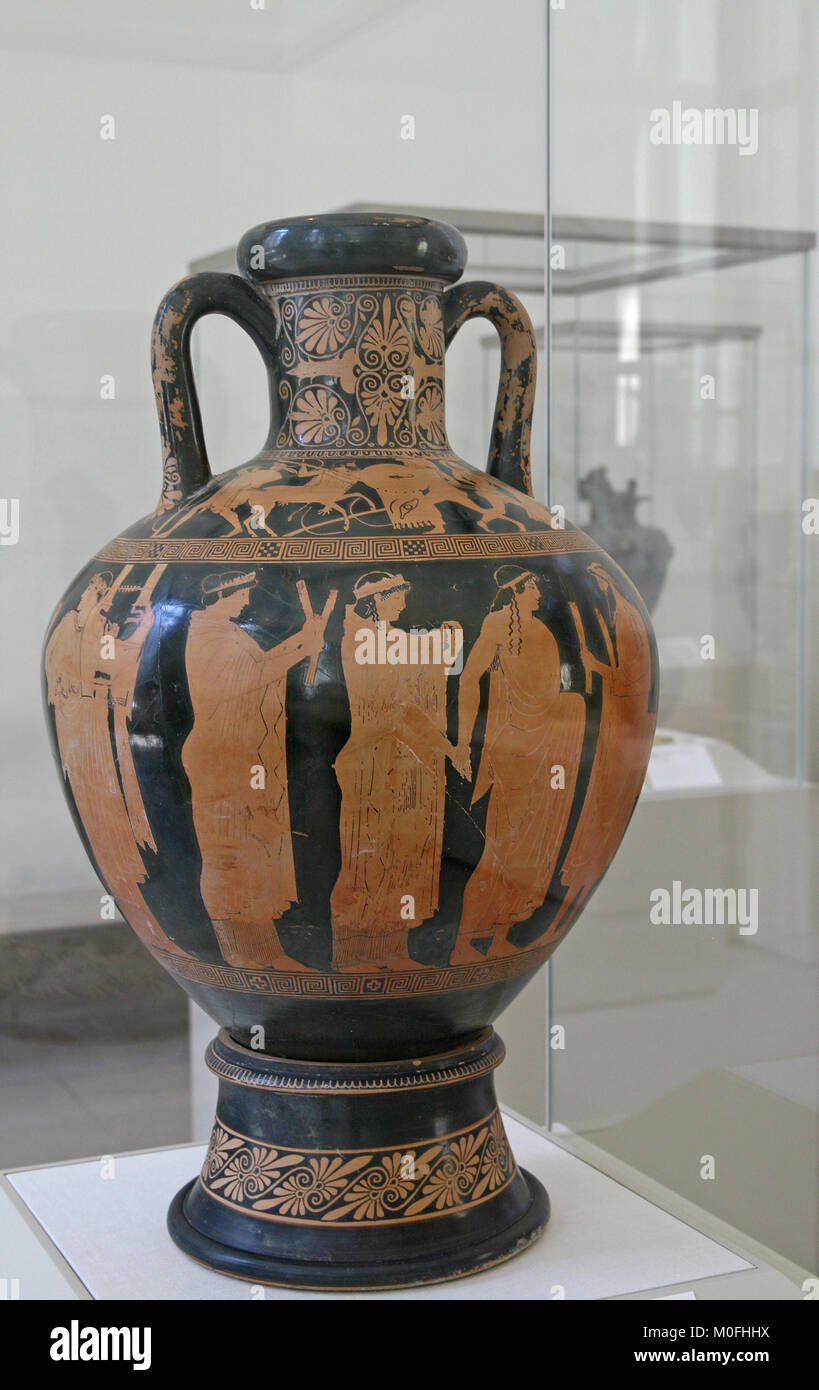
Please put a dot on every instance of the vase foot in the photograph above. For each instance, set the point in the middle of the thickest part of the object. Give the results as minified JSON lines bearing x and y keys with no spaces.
{"x":379,"y":1274}
{"x":357,"y":1175}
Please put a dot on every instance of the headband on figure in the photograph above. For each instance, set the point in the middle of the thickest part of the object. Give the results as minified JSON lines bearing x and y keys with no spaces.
{"x":512,"y":576}
{"x":383,"y":584}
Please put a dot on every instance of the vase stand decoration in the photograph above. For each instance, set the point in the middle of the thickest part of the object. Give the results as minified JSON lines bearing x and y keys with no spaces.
{"x":351,"y":734}
{"x":357,"y":1175}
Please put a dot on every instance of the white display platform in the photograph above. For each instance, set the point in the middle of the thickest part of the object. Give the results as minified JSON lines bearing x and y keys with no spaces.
{"x":603,"y":1240}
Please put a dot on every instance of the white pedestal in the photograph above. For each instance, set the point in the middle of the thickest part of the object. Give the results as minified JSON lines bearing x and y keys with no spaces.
{"x":603,"y":1239}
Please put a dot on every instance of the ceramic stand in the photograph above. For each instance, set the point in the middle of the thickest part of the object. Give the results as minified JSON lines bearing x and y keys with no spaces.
{"x":357,"y":1175}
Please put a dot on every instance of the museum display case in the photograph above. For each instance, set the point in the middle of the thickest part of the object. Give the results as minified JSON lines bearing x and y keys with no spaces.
{"x":671,"y":277}
{"x":680,"y":1027}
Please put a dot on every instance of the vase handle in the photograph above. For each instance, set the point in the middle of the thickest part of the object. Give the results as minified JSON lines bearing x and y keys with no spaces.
{"x":510,"y":446}
{"x":185,"y":460}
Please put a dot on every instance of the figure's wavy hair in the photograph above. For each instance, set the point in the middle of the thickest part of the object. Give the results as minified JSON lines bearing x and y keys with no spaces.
{"x":511,"y":580}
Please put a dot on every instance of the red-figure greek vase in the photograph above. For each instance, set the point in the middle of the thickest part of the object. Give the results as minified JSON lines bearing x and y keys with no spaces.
{"x":351,"y":733}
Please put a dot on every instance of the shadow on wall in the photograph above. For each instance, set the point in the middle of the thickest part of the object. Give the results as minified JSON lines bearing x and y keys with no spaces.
{"x":93,"y":1047}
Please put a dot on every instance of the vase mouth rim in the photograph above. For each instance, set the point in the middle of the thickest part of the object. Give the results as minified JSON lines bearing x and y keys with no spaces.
{"x":343,"y":243}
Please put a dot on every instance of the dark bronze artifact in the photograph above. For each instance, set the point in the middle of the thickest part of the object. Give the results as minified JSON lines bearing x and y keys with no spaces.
{"x":642,"y":552}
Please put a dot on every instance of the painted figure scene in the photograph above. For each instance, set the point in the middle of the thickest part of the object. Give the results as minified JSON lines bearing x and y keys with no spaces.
{"x":477,"y":782}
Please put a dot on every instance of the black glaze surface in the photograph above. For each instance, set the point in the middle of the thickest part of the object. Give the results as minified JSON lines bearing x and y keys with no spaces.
{"x":346,"y":243}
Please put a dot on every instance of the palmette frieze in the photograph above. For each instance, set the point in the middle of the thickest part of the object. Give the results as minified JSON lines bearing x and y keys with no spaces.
{"x":360,"y":367}
{"x":353,"y":1186}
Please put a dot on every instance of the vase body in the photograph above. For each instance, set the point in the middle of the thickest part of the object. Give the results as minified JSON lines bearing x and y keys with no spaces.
{"x":353,"y":731}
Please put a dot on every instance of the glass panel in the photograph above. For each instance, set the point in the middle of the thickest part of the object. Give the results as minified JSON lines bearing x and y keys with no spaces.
{"x":683,"y":285}
{"x":652,"y":386}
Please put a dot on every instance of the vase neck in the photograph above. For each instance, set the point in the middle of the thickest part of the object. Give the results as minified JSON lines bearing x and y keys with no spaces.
{"x":360,"y":363}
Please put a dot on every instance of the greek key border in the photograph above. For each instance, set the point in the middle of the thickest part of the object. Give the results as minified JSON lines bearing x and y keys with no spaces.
{"x":317,"y":984}
{"x":359,"y":1187}
{"x":342,"y":549}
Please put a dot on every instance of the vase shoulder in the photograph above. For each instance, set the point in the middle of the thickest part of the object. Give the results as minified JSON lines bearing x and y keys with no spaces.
{"x":293,"y":494}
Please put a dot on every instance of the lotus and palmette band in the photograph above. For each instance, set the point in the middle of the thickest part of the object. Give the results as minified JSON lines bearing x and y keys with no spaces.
{"x":378,"y":1185}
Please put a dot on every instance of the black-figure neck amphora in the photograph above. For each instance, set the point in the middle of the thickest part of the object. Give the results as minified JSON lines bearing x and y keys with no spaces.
{"x":352,"y":733}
